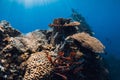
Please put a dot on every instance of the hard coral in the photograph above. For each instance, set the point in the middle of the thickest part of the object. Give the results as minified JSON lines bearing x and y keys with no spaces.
{"x":61,"y":54}
{"x":61,"y":29}
{"x":61,"y":22}
{"x":31,"y":41}
{"x":13,"y":49}
{"x":38,"y":67}
{"x":89,"y":42}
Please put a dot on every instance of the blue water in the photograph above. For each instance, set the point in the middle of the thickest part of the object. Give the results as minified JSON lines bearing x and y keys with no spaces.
{"x":102,"y":15}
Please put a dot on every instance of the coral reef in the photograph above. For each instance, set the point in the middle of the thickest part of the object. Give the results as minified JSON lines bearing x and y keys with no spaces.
{"x":15,"y":49}
{"x":64,"y":53}
{"x":8,"y":53}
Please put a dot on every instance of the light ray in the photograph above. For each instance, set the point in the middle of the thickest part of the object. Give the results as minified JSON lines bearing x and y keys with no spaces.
{"x":30,"y":3}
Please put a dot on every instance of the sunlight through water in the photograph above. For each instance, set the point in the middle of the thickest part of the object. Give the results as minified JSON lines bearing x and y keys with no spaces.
{"x":31,"y":3}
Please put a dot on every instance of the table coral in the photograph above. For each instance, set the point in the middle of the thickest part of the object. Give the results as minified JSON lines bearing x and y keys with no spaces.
{"x":89,"y":42}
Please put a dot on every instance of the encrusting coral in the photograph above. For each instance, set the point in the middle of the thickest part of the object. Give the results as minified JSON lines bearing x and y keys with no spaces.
{"x":63,"y":53}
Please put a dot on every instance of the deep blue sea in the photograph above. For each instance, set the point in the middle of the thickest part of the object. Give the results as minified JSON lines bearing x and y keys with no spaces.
{"x":102,"y":15}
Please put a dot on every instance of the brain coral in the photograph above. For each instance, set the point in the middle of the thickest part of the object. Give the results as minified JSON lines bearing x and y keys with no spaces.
{"x":38,"y":67}
{"x":89,"y":42}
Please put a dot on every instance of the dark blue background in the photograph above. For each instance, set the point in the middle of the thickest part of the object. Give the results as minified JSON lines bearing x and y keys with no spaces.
{"x":102,"y":15}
